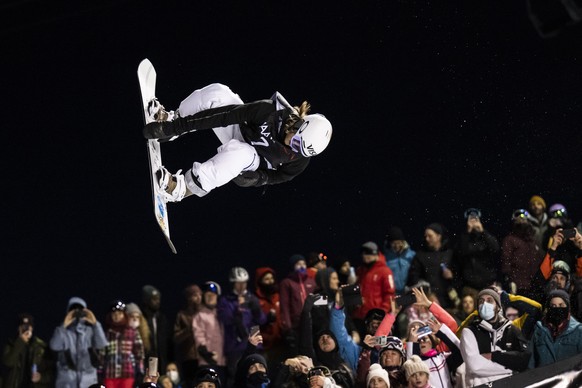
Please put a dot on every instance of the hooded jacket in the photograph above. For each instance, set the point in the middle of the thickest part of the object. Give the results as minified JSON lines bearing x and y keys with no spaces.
{"x":376,"y":286}
{"x":292,"y":293}
{"x":399,"y":263}
{"x":271,"y":330}
{"x":546,"y":350}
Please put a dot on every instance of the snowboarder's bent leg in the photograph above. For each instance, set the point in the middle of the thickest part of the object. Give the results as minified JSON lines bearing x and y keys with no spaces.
{"x":232,"y":158}
{"x":213,"y":96}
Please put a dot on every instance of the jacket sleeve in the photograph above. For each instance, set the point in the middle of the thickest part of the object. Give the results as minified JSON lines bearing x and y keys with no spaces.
{"x":199,"y":329}
{"x":386,"y":325}
{"x":476,"y":364}
{"x":284,"y":302}
{"x":518,"y":357}
{"x":283,"y":173}
{"x":254,"y":112}
{"x":443,"y":316}
{"x":531,"y":312}
{"x":453,"y":344}
{"x":58,"y":341}
{"x":546,"y":265}
{"x":306,"y":335}
{"x":363,"y":367}
{"x":99,"y":340}
{"x":388,"y":290}
{"x":13,"y":353}
{"x":349,"y":351}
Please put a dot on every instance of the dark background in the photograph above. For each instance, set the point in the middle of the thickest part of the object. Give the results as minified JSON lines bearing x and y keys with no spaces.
{"x":435,"y":107}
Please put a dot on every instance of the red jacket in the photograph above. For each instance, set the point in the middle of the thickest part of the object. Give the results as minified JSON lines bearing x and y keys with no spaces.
{"x":377,"y":287}
{"x":271,"y":331}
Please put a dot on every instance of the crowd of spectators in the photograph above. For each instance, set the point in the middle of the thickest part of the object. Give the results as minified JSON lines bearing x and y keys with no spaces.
{"x":444,"y":314}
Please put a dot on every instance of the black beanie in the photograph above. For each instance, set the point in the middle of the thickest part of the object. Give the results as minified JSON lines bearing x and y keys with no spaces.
{"x":394,"y":233}
{"x":558,"y":294}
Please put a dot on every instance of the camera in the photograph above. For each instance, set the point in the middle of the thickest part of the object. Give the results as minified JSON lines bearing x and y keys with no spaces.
{"x":352,"y":295}
{"x":79,"y":313}
{"x":569,"y":233}
{"x":381,"y":340}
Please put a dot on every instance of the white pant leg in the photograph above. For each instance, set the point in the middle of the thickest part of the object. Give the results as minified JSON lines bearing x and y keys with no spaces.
{"x":213,"y":96}
{"x":232,"y":158}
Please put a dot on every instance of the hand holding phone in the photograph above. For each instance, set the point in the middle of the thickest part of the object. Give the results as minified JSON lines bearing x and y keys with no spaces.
{"x":381,"y":340}
{"x":406,"y":300}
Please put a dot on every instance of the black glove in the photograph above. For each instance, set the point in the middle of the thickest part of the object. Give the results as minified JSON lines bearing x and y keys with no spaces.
{"x":251,"y":179}
{"x":206,"y":355}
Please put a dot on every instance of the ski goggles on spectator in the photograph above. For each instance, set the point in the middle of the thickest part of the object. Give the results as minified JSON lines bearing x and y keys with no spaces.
{"x":472,"y":213}
{"x":520,"y":213}
{"x":207,"y":375}
{"x":559,"y":213}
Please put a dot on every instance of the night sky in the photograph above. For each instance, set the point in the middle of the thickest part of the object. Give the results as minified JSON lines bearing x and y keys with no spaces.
{"x":435,"y":107}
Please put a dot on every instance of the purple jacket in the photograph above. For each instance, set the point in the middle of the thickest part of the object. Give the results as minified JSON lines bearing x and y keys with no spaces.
{"x":238,"y":319}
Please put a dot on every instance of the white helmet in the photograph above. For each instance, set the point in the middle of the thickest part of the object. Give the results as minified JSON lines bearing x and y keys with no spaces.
{"x":313,"y":135}
{"x":238,"y":274}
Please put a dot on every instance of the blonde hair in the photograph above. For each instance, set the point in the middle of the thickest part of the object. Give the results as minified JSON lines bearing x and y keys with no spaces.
{"x":144,"y":332}
{"x":298,"y":113}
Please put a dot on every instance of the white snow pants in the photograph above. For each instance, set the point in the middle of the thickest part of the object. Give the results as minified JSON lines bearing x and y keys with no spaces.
{"x":234,"y":155}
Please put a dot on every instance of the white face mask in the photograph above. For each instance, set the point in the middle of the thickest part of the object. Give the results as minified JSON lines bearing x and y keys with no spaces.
{"x":134,"y":323}
{"x":487,"y":311}
{"x":173,"y":375}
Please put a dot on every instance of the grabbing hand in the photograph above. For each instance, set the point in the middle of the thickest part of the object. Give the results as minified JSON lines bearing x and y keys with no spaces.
{"x":434,"y":325}
{"x":412,"y":337}
{"x":90,"y":317}
{"x":256,"y":338}
{"x":316,"y":381}
{"x":557,"y":239}
{"x":369,"y":340}
{"x":421,"y":298}
{"x":69,"y":318}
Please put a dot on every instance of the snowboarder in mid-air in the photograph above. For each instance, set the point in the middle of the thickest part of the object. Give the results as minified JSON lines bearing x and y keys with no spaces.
{"x":263,"y":142}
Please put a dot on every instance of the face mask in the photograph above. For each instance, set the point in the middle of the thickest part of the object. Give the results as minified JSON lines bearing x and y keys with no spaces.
{"x":557,"y":315}
{"x":173,"y":375}
{"x":301,"y":270}
{"x":487,"y":311}
{"x":134,"y":323}
{"x":258,"y":379}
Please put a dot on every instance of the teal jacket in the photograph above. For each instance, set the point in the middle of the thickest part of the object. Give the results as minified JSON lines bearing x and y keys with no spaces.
{"x":547,"y":351}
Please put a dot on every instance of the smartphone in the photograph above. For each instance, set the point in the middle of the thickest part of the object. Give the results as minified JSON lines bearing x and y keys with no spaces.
{"x":352,"y":295}
{"x":381,"y":340}
{"x":406,"y":300}
{"x":153,"y":366}
{"x":569,"y":233}
{"x":254,"y":330}
{"x":321,"y":300}
{"x":315,"y":372}
{"x":423,"y":331}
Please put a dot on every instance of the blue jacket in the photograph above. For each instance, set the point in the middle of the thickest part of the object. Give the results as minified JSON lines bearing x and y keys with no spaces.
{"x":349,"y":351}
{"x":547,"y":351}
{"x":399,"y":264}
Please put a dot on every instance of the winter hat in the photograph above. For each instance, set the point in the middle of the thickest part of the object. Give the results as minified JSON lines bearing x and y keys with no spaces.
{"x":376,"y":370}
{"x":558,"y":294}
{"x":562,"y":267}
{"x":558,"y":210}
{"x":437,"y":228}
{"x":25,"y":319}
{"x":132,"y":308}
{"x":295,"y":258}
{"x":414,"y":365}
{"x":149,"y":291}
{"x":315,"y":257}
{"x":395,"y":233}
{"x":370,"y":248}
{"x":537,"y":198}
{"x":76,"y":302}
{"x":492,"y":293}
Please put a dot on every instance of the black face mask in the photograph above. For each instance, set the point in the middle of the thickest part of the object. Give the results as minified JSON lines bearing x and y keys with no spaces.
{"x":258,"y":380}
{"x":557,"y":315}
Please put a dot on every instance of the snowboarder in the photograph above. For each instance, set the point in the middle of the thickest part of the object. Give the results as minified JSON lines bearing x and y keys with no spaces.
{"x":263,"y":142}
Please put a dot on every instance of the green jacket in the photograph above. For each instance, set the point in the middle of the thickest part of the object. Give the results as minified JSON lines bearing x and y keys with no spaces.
{"x":18,"y":358}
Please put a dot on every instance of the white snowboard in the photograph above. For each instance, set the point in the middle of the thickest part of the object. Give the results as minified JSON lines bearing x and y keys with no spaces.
{"x":147,"y":83}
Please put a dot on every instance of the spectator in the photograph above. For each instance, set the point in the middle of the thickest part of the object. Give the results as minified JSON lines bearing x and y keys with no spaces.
{"x":417,"y":373}
{"x":164,"y":382}
{"x":209,"y":332}
{"x":252,"y":369}
{"x":433,"y":264}
{"x":377,"y":377}
{"x":376,"y":284}
{"x":137,"y":321}
{"x":538,"y":219}
{"x":520,"y":257}
{"x":267,"y":290}
{"x":76,"y":343}
{"x":186,"y":354}
{"x":315,"y":262}
{"x":293,"y":373}
{"x":558,"y":335}
{"x":476,"y":256}
{"x":207,"y":378}
{"x":27,"y":359}
{"x":399,"y":256}
{"x":439,"y":363}
{"x":160,"y":335}
{"x":468,"y":303}
{"x":238,"y":311}
{"x":558,"y":219}
{"x":491,"y":346}
{"x":392,"y":358}
{"x":173,"y":373}
{"x":293,"y":291}
{"x":124,"y":354}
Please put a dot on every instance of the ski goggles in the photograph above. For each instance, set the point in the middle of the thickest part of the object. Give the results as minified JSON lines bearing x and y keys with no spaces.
{"x":559,"y":213}
{"x":295,"y":143}
{"x":520,"y":213}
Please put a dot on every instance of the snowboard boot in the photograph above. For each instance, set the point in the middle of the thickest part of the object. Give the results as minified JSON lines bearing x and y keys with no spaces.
{"x":173,"y":185}
{"x":157,"y":112}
